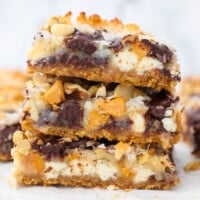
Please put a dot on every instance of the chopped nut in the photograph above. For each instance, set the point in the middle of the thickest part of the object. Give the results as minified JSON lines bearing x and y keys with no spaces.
{"x":115,"y":107}
{"x":169,"y":124}
{"x":138,"y":122}
{"x":62,"y":29}
{"x":24,"y":146}
{"x":124,"y":91}
{"x":101,"y":91}
{"x":121,"y":149}
{"x":92,"y":90}
{"x":18,"y":136}
{"x":55,"y":94}
{"x":168,"y":113}
{"x":72,"y":87}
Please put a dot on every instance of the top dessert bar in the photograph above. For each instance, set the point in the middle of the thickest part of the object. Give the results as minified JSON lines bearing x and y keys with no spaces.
{"x":106,"y":51}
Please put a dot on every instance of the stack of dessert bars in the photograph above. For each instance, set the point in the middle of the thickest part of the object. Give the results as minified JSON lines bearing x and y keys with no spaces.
{"x":100,"y":110}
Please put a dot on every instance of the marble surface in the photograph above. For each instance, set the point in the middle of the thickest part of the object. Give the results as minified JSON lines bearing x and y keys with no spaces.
{"x":175,"y":21}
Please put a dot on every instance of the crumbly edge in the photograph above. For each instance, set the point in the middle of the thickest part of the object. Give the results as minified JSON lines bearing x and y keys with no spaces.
{"x":154,"y":79}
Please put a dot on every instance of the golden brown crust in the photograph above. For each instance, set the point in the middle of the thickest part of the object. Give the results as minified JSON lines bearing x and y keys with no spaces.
{"x":87,"y":181}
{"x":154,"y":79}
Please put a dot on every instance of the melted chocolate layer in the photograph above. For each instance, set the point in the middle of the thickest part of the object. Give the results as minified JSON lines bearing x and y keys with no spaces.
{"x":54,"y":146}
{"x":157,"y":107}
{"x":6,"y":135}
{"x":159,"y":51}
{"x":68,"y":114}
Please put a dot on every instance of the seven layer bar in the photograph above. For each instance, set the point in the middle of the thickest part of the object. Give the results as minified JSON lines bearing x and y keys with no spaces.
{"x":12,"y":85}
{"x":100,"y":109}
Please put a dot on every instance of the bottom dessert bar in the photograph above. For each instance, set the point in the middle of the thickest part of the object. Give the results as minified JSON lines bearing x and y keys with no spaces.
{"x":190,"y":97}
{"x":11,"y":98}
{"x":53,"y":160}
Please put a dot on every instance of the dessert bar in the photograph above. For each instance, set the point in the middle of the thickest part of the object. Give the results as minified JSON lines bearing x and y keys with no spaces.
{"x":74,"y":107}
{"x":104,"y":51}
{"x":54,"y":160}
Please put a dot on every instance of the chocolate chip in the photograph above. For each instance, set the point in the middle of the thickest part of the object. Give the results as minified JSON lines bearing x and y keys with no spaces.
{"x":157,"y":111}
{"x":68,"y":114}
{"x":159,"y":51}
{"x":63,"y":58}
{"x":162,"y":98}
{"x":51,"y":60}
{"x":117,"y":126}
{"x":98,"y":35}
{"x":81,"y":42}
{"x":116,"y":45}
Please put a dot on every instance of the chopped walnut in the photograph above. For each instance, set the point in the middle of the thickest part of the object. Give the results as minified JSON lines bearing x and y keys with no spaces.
{"x":62,"y":29}
{"x":92,"y":90}
{"x":121,"y":149}
{"x":22,"y":143}
{"x":138,"y":122}
{"x":124,"y":91}
{"x":70,"y":88}
{"x":101,"y":91}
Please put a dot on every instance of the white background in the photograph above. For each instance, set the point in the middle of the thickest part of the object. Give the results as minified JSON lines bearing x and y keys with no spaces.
{"x":177,"y":21}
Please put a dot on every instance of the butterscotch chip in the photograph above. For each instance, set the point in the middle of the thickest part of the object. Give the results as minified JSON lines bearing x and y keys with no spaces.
{"x":115,"y":107}
{"x":55,"y":94}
